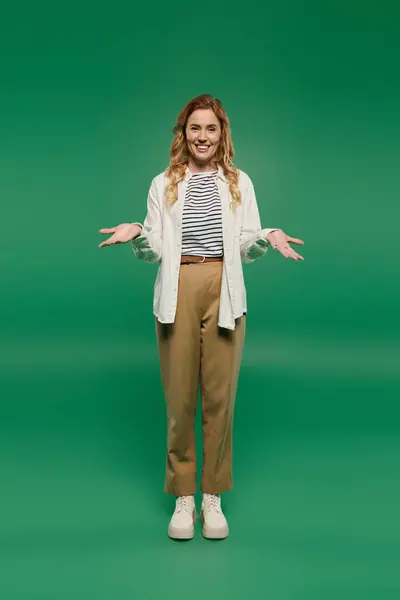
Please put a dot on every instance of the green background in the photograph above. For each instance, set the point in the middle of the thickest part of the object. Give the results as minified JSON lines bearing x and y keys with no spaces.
{"x":89,"y":94}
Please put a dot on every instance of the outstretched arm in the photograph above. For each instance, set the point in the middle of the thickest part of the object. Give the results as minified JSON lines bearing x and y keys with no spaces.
{"x":253,"y":239}
{"x":148,"y":245}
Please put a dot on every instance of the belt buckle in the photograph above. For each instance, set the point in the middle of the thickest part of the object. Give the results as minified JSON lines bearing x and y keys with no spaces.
{"x":188,"y":262}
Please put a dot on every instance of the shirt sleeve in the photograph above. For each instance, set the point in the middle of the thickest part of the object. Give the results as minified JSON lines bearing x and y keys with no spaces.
{"x":253,"y":239}
{"x":148,"y":245}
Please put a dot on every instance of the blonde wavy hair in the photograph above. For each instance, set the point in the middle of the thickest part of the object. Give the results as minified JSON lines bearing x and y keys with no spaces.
{"x":179,"y":151}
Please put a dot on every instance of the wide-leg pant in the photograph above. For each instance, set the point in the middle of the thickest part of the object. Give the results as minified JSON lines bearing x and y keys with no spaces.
{"x":194,"y":350}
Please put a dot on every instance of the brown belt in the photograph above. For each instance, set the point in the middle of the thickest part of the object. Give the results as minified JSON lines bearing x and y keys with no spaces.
{"x":185,"y":259}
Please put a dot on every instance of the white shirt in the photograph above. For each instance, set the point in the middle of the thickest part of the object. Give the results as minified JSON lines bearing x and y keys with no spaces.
{"x":202,"y":217}
{"x":160,"y":242}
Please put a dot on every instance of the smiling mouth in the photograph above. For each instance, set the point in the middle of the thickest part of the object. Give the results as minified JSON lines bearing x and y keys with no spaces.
{"x":202,"y":148}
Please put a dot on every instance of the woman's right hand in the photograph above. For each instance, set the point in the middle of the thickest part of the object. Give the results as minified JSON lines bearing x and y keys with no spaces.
{"x":120,"y":234}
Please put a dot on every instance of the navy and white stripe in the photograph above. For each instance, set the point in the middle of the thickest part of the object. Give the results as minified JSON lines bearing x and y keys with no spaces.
{"x":202,"y":217}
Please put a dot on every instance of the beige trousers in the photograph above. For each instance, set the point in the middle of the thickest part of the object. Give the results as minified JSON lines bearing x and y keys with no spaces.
{"x":194,"y":350}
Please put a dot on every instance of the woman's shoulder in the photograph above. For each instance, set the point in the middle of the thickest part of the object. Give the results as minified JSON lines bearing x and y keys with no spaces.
{"x":242,"y":174}
{"x":160,"y":177}
{"x":244,"y":179}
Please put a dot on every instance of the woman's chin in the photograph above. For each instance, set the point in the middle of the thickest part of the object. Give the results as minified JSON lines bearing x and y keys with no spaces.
{"x":202,"y":160}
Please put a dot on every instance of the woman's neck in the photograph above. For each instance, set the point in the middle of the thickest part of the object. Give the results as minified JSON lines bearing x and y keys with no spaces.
{"x":196,"y":168}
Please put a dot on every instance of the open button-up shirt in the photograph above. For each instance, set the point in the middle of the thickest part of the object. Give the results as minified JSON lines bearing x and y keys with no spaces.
{"x":161,"y":238}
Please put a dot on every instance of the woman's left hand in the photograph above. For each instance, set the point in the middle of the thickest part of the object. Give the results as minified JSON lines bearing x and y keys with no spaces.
{"x":279,"y":240}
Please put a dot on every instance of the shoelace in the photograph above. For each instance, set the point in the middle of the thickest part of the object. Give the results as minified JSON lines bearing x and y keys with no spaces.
{"x":182,"y":503}
{"x":213,"y":501}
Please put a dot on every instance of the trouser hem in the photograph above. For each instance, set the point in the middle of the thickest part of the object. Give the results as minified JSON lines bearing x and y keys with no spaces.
{"x":180,"y":492}
{"x":216,"y":489}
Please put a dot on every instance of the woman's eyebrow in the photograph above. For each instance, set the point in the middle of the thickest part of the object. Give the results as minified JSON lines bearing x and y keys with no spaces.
{"x":197,"y":125}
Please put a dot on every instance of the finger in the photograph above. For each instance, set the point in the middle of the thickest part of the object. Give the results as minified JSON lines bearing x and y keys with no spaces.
{"x":295,"y":255}
{"x":108,"y":230}
{"x":286,"y":251}
{"x":294,"y":240}
{"x":283,"y":250}
{"x":108,"y":242}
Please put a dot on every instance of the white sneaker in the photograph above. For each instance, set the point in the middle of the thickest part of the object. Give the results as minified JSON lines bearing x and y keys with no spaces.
{"x":215,"y":525}
{"x":181,"y":525}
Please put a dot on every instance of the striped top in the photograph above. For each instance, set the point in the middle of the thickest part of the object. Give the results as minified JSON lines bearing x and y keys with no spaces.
{"x":202,"y":217}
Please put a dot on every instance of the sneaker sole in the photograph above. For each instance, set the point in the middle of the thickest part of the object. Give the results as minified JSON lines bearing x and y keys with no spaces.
{"x":213,"y":534}
{"x":182,"y":534}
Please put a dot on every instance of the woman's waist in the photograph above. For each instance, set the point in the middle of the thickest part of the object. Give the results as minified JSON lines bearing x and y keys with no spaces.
{"x":194,"y":258}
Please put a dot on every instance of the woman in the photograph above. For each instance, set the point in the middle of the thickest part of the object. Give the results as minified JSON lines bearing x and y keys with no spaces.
{"x":202,"y":222}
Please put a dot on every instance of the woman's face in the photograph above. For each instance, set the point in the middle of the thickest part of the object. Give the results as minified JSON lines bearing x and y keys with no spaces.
{"x":203,"y":133}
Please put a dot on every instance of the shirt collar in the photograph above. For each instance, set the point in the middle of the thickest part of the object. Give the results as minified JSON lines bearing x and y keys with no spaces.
{"x":221,"y":175}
